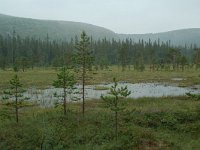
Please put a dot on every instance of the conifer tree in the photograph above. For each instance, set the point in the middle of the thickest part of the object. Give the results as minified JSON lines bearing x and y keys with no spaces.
{"x":15,"y":84}
{"x":66,"y":81}
{"x":83,"y":60}
{"x":15,"y":92}
{"x":123,"y":56}
{"x":113,"y":101}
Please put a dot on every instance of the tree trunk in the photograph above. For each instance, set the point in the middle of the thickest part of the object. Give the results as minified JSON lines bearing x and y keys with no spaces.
{"x":65,"y":110}
{"x":116,"y":119}
{"x":182,"y":67}
{"x":116,"y":127}
{"x":16,"y":104}
{"x":83,"y":89}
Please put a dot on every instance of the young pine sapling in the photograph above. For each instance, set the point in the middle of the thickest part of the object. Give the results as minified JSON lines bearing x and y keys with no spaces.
{"x":66,"y":81}
{"x":113,"y":101}
{"x":15,"y":92}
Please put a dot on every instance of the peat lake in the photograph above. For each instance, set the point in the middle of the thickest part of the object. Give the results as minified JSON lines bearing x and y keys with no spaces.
{"x":48,"y":97}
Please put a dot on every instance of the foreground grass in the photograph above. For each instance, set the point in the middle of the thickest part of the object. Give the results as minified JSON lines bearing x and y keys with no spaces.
{"x":146,"y":123}
{"x":43,"y":77}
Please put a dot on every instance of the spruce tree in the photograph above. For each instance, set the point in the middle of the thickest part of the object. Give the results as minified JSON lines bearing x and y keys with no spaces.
{"x":123,"y":56}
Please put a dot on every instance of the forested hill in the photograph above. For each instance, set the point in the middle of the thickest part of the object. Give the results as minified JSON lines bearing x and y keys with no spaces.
{"x":55,"y":29}
{"x":67,"y":30}
{"x":176,"y":37}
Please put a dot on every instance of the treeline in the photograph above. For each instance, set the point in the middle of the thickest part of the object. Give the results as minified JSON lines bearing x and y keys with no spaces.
{"x":21,"y":53}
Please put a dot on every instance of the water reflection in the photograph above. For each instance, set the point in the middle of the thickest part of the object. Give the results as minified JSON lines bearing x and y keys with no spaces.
{"x":47,"y":97}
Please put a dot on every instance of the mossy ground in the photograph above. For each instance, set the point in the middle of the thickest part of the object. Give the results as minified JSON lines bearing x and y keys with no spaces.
{"x":146,"y":123}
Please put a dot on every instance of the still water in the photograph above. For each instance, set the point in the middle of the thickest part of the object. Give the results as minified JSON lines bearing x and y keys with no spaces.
{"x":50,"y":96}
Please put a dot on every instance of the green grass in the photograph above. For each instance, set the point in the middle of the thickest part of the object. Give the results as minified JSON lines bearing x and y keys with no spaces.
{"x":101,"y":88}
{"x":38,"y":77}
{"x":146,"y":123}
{"x":43,"y":77}
{"x":191,"y":76}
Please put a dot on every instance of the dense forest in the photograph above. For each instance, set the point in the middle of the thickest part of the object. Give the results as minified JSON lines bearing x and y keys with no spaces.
{"x":21,"y":53}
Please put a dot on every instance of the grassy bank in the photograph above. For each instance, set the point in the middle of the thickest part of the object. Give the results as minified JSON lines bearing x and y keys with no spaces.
{"x":146,"y":123}
{"x":43,"y":77}
{"x":38,"y":77}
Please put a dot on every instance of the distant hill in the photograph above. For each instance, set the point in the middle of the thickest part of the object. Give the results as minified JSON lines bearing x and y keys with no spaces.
{"x":55,"y":29}
{"x":176,"y":37}
{"x":67,"y":30}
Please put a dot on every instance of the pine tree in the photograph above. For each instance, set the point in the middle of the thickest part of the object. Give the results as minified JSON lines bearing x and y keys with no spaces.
{"x":15,"y":92}
{"x":113,"y":101}
{"x":14,"y":46}
{"x":83,"y":60}
{"x":15,"y":85}
{"x":66,"y":81}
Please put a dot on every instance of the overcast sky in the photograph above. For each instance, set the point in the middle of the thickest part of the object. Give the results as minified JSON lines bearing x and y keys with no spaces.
{"x":121,"y":16}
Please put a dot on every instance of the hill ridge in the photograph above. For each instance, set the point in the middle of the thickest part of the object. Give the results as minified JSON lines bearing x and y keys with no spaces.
{"x":65,"y":30}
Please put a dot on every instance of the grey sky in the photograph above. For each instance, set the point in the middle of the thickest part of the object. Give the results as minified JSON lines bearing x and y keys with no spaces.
{"x":121,"y":16}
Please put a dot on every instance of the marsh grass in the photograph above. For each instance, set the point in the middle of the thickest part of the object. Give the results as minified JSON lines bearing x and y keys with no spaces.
{"x":146,"y":123}
{"x":43,"y":77}
{"x":101,"y":88}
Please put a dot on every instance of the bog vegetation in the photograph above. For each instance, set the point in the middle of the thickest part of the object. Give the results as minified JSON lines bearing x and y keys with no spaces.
{"x":112,"y":122}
